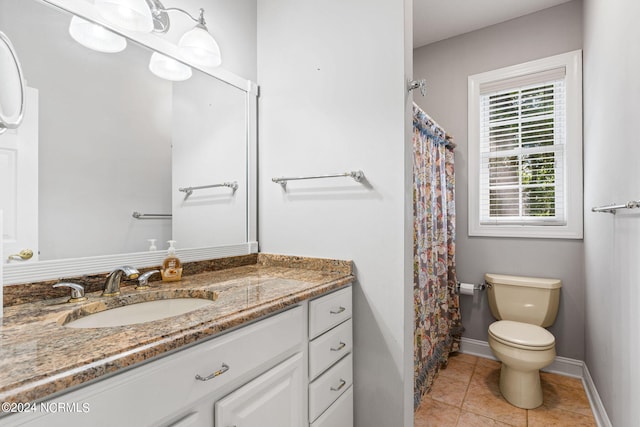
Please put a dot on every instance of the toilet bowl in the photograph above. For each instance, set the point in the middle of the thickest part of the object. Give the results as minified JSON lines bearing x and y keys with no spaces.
{"x":523,"y":349}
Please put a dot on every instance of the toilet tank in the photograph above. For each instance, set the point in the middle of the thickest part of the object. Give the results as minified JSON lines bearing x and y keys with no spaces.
{"x":523,"y":299}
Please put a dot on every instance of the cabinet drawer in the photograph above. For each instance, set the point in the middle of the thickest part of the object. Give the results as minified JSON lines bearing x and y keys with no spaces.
{"x":340,"y":414}
{"x":330,"y":347}
{"x":329,"y":386}
{"x":329,"y":311}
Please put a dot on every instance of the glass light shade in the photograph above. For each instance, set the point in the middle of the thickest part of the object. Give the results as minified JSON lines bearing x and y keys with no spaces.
{"x":199,"y":47}
{"x":168,"y":68}
{"x":95,"y":37}
{"x":132,"y":15}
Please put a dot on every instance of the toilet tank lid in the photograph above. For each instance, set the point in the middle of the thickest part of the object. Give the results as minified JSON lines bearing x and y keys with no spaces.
{"x":534,"y":282}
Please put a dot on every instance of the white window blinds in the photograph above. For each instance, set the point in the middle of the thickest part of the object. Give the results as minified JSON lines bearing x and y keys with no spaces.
{"x":522,"y":150}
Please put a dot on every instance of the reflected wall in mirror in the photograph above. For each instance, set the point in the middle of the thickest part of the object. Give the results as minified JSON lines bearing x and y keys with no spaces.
{"x":111,"y":138}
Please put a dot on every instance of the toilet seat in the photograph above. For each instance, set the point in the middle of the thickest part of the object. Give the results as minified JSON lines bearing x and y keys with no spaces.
{"x":521,"y":335}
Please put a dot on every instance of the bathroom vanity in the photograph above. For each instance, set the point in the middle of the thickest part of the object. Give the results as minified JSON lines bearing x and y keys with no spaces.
{"x":274,"y":349}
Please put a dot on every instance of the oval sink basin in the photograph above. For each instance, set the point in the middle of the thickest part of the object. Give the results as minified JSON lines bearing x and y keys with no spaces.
{"x":140,"y":313}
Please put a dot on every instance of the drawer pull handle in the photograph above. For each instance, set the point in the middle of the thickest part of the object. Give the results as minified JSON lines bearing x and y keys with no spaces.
{"x":217,"y":373}
{"x":338,"y":311}
{"x":342,"y":384}
{"x":339,"y":347}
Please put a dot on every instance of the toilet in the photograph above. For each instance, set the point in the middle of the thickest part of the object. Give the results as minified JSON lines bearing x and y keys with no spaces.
{"x":524,"y":306}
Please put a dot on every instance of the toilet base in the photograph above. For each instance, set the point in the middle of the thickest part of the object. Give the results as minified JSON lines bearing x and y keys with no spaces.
{"x":521,"y":388}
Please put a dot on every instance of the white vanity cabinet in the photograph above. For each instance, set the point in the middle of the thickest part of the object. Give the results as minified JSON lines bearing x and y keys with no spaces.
{"x":290,"y":369}
{"x":330,"y":360}
{"x":255,"y":366}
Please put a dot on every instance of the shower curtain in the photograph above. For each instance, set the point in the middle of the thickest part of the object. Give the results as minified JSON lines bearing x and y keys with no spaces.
{"x":437,"y":315}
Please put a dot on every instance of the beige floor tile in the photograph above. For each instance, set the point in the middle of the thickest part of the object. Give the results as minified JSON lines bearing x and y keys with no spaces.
{"x":565,"y":401}
{"x":486,"y":401}
{"x":457,"y":368}
{"x":484,"y":363}
{"x":557,"y":379}
{"x":557,"y":395}
{"x":462,"y":357}
{"x":449,"y":390}
{"x":468,"y":419}
{"x":549,"y":417}
{"x":432,"y":413}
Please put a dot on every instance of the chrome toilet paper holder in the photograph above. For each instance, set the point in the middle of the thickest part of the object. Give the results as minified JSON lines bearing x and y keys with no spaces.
{"x":476,"y":287}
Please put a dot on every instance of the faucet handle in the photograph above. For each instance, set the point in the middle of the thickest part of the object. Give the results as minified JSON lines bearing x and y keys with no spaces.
{"x":77,"y":291}
{"x":143,"y":279}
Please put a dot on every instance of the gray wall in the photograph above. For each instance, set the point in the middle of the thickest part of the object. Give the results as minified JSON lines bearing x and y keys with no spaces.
{"x":612,"y":243}
{"x":327,"y":105}
{"x":446,"y":66}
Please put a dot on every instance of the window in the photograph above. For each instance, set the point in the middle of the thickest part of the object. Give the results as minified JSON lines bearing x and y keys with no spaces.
{"x":525,"y":150}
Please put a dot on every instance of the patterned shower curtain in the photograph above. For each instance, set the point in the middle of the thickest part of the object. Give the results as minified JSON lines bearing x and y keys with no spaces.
{"x":437,"y":315}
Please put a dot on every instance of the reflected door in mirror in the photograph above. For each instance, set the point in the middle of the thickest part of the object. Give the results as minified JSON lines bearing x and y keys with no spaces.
{"x":19,"y":183}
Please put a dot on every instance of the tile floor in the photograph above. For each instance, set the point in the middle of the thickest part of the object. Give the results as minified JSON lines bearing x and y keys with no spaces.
{"x":467,"y":394}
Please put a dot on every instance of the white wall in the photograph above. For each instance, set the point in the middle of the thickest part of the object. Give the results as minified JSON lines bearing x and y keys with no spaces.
{"x":612,"y":243}
{"x":332,"y":78}
{"x":446,"y":66}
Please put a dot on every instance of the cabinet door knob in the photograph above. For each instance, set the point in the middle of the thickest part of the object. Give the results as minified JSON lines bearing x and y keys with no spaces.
{"x":339,"y":347}
{"x":342,"y":384}
{"x":338,"y":311}
{"x":217,"y":373}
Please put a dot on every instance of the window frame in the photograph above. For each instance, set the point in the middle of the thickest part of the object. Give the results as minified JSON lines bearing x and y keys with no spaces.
{"x":572,"y":173}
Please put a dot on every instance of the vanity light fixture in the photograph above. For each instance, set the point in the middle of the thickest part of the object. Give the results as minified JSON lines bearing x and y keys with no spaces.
{"x":198,"y":45}
{"x":132,"y":15}
{"x":168,"y":68}
{"x":95,"y":36}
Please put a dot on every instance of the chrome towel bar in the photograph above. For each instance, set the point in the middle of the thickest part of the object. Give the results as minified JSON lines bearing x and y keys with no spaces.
{"x":358,"y":176}
{"x":189,"y":190}
{"x":140,"y":215}
{"x":631,"y":204}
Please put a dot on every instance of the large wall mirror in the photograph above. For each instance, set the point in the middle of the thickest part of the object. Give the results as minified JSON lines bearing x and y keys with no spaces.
{"x":103,"y":138}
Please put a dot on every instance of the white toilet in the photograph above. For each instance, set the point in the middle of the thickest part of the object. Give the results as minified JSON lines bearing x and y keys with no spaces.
{"x":524,"y":306}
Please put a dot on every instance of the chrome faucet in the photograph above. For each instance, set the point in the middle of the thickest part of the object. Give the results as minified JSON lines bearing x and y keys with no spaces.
{"x":143,"y":279}
{"x":77,"y":291}
{"x":112,"y":284}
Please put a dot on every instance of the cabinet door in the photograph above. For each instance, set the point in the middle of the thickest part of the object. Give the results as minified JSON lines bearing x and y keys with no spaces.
{"x":274,"y":399}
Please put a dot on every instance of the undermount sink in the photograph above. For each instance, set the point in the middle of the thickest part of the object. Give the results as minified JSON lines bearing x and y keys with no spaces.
{"x":139,"y":313}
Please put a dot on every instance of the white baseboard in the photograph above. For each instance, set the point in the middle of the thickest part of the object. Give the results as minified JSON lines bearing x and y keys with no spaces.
{"x":561,"y":365}
{"x":599,"y":412}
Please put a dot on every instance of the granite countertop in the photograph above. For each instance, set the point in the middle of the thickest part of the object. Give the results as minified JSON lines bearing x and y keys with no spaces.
{"x":39,"y":356}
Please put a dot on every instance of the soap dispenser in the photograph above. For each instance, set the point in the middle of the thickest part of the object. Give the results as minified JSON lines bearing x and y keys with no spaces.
{"x":171,"y":266}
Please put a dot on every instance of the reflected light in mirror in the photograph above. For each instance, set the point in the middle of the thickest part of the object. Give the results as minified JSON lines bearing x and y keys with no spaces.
{"x":132,"y":15}
{"x":168,"y":68}
{"x":199,"y":47}
{"x":95,"y":37}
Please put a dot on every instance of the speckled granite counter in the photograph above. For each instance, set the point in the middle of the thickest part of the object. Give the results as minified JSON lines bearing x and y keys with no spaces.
{"x":39,"y":356}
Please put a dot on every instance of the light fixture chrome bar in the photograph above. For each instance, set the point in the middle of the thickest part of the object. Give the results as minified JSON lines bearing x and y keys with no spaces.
{"x":632,"y":204}
{"x":189,"y":190}
{"x":140,"y":215}
{"x":356,"y":175}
